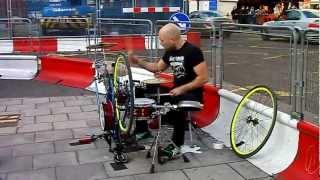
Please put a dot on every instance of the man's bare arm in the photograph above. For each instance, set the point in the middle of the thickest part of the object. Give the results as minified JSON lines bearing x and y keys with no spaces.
{"x":153,"y":67}
{"x":202,"y":77}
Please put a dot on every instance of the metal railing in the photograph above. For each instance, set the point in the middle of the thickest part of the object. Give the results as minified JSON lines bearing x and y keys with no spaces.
{"x":261,"y":55}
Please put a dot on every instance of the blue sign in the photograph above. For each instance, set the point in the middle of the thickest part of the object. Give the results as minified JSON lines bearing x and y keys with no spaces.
{"x":213,"y":5}
{"x":181,"y":20}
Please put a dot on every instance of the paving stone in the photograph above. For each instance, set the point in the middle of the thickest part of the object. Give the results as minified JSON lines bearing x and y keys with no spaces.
{"x":63,"y":110}
{"x":78,"y":102}
{"x":3,"y":176}
{"x":26,"y":120}
{"x":5,"y":153}
{"x":94,"y":155}
{"x":3,"y":108}
{"x":15,"y":164}
{"x":70,"y":124}
{"x":35,"y":127}
{"x":35,"y":100}
{"x":88,"y":108}
{"x":20,"y":107}
{"x":82,"y":172}
{"x":62,"y":146}
{"x":35,"y":112}
{"x":53,"y":135}
{"x":122,"y":178}
{"x":50,"y":104}
{"x":178,"y":164}
{"x":52,"y":118}
{"x":138,"y":164}
{"x":247,"y":170}
{"x":32,"y":149}
{"x":212,"y":157}
{"x":16,"y":139}
{"x":177,"y":175}
{"x":81,"y":132}
{"x":266,"y":178}
{"x":10,"y":101}
{"x":86,"y":97}
{"x":84,"y":115}
{"x":8,"y":130}
{"x":41,"y":174}
{"x":221,"y":171}
{"x":93,"y":123}
{"x":61,"y":98}
{"x":54,"y":160}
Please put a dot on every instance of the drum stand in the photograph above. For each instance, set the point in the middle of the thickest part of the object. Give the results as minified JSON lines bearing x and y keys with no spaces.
{"x":161,"y":110}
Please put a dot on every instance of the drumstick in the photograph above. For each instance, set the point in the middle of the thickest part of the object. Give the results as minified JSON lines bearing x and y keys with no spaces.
{"x":152,"y":95}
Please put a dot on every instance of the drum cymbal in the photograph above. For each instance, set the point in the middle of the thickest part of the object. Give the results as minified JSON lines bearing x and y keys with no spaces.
{"x":156,"y":81}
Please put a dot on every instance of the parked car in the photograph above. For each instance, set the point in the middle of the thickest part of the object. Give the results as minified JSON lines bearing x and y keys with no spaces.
{"x":202,"y":21}
{"x":300,"y":19}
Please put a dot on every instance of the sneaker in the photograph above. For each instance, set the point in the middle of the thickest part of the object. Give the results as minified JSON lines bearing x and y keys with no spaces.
{"x":144,"y":135}
{"x":171,"y":151}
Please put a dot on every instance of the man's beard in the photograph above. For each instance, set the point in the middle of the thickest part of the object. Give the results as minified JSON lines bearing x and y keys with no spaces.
{"x":171,"y":48}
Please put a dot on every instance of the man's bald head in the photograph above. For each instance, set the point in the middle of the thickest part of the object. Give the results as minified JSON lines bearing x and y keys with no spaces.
{"x":171,"y":31}
{"x":169,"y":36}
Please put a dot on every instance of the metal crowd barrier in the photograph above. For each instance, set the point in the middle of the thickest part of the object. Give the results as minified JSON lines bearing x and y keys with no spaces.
{"x":255,"y":54}
{"x":310,"y":72}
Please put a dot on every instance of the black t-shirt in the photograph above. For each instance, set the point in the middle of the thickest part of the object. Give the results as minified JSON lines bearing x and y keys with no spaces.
{"x":182,"y":62}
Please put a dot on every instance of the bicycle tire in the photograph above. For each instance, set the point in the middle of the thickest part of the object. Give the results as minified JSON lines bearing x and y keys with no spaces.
{"x":123,"y":107}
{"x":247,"y":113}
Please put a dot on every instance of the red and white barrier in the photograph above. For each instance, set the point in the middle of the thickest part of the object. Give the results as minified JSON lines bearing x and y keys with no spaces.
{"x":292,"y":150}
{"x":66,"y":71}
{"x":137,"y":10}
{"x":55,"y":45}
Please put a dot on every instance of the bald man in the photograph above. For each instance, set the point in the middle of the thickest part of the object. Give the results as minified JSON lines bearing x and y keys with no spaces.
{"x":190,"y":74}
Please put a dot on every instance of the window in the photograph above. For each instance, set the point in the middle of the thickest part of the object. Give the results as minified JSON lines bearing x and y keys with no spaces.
{"x":310,"y":14}
{"x":293,"y":15}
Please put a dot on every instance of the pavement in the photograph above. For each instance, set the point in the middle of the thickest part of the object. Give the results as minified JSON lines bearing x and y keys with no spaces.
{"x":37,"y":148}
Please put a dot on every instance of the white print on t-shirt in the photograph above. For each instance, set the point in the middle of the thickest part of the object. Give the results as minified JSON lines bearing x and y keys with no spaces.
{"x":176,"y":63}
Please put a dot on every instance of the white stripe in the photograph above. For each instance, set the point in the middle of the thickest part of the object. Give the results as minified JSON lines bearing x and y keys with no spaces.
{"x":159,"y":9}
{"x":6,"y":46}
{"x":74,"y":44}
{"x":174,"y":9}
{"x":127,"y":10}
{"x":144,"y":9}
{"x":18,"y":67}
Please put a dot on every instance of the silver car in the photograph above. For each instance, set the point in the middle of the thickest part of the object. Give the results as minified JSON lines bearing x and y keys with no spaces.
{"x":300,"y":19}
{"x":202,"y":21}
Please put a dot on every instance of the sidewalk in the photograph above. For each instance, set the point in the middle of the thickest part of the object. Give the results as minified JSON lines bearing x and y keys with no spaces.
{"x":38,"y":149}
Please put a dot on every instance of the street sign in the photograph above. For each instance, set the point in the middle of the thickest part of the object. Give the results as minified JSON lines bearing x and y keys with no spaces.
{"x":182,"y":20}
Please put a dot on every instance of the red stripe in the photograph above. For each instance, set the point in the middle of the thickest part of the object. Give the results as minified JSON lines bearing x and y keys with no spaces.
{"x":306,"y":163}
{"x":151,"y":9}
{"x":166,"y":9}
{"x":27,"y":45}
{"x":135,"y":42}
{"x":67,"y":71}
{"x":137,"y":10}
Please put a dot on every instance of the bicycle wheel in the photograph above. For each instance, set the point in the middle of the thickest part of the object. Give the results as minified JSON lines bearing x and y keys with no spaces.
{"x":105,"y":102}
{"x":253,"y":121}
{"x":123,"y":94}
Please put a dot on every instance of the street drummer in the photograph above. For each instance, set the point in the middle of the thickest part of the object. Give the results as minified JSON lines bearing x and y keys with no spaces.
{"x":190,"y":74}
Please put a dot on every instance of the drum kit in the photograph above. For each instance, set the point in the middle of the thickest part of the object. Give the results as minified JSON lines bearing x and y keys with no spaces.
{"x":151,"y":110}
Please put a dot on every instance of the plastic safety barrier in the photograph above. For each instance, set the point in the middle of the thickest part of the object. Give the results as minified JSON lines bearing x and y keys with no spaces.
{"x":67,"y":71}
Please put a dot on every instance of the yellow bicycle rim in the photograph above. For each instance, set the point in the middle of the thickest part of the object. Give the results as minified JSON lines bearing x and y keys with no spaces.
{"x":236,"y":119}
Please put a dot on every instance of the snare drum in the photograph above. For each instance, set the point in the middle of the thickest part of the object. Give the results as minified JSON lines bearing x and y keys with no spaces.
{"x":143,"y":108}
{"x":190,"y":105}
